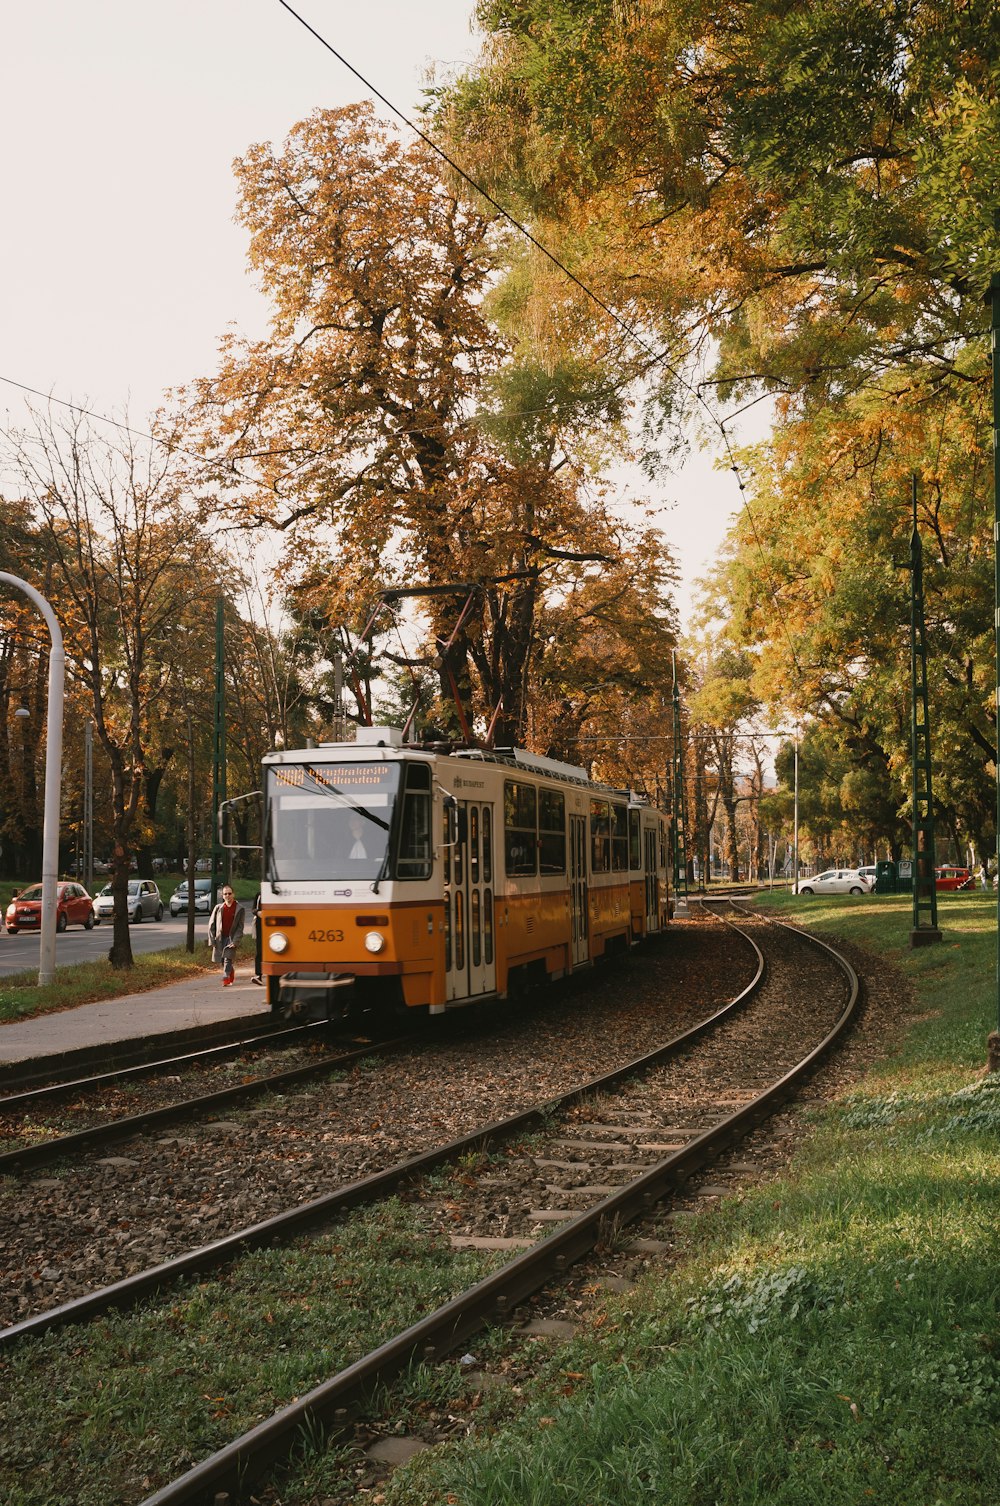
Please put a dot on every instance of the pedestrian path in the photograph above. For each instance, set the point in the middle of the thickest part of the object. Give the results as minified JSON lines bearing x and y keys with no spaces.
{"x":174,"y":1010}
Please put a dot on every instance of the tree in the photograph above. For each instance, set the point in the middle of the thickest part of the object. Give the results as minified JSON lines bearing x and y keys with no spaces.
{"x":804,"y":194}
{"x":366,"y":425}
{"x":722,"y":706}
{"x":814,"y":578}
{"x":124,"y":562}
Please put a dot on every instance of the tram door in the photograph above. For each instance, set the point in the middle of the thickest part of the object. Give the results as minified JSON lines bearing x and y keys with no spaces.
{"x":578,"y":888}
{"x":649,"y":871}
{"x":470,"y":954}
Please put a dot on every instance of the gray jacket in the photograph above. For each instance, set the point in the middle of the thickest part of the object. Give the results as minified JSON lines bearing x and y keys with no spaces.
{"x":235,"y":934}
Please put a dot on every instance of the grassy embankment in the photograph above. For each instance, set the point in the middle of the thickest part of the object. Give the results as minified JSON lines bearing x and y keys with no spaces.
{"x":88,"y":982}
{"x":831,"y":1337}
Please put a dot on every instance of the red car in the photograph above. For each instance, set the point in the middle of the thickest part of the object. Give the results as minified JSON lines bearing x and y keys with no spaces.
{"x":74,"y":907}
{"x":949,"y":877}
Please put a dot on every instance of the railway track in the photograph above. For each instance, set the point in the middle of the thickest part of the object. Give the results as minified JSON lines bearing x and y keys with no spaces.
{"x":16,"y":1114}
{"x":25,"y":1092}
{"x":62,"y":1071}
{"x":602,"y":1156}
{"x":104,"y":1216}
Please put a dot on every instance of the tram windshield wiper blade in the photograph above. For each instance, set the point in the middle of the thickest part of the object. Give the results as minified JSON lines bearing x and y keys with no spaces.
{"x":346,"y":800}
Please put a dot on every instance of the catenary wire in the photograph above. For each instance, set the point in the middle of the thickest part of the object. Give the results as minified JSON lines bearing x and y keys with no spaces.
{"x":657,"y":358}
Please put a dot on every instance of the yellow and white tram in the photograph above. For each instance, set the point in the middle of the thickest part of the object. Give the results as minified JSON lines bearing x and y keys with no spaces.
{"x":407,"y":876}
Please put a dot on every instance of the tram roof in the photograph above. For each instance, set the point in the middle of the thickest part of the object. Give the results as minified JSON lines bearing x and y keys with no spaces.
{"x":387,"y":742}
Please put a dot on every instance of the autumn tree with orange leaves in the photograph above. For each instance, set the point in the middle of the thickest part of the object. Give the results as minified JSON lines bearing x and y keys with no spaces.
{"x":382,"y":426}
{"x":125,"y":570}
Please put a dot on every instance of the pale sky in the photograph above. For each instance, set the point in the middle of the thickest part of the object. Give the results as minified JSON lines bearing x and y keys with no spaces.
{"x":121,"y":265}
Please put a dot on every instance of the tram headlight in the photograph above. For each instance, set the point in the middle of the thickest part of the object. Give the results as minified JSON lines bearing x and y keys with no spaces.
{"x":374,"y":941}
{"x":278,"y":942}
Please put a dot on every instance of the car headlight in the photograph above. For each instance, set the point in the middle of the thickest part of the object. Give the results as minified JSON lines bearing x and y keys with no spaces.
{"x":374,"y":941}
{"x":278,"y":942}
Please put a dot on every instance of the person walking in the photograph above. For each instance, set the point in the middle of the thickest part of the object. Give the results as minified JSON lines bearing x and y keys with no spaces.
{"x":225,"y":932}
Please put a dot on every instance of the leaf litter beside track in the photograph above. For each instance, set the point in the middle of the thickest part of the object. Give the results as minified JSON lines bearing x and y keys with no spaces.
{"x":83,"y":1226}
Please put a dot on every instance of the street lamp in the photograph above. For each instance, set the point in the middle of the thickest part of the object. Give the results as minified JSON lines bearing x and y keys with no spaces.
{"x":795,"y":827}
{"x":53,"y":776}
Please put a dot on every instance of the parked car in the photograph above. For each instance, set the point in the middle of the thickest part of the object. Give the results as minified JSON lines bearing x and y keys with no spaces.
{"x":868,"y":872}
{"x":202,"y":898}
{"x":143,"y":900}
{"x":835,"y":881}
{"x":74,"y":907}
{"x":949,"y":877}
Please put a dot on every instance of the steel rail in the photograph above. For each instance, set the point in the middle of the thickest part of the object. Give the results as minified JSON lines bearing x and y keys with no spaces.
{"x":279,"y":1040}
{"x":47,"y":1151}
{"x":138,"y":1051}
{"x":126,"y":1293}
{"x":329,"y":1406}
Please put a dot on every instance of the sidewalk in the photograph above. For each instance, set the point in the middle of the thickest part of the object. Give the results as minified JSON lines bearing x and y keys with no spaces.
{"x":175,"y":1010}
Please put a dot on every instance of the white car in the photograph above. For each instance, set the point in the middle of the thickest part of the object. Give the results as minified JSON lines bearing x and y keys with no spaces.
{"x":835,"y":881}
{"x":143,"y":900}
{"x":202,"y":898}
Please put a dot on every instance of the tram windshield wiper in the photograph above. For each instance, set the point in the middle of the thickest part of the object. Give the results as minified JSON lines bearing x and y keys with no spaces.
{"x":345,"y":800}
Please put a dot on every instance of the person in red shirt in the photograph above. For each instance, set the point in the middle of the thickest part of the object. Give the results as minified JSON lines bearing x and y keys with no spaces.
{"x":225,"y":931}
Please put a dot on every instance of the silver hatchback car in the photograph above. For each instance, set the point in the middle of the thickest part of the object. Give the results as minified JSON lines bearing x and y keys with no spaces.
{"x":144,"y":902}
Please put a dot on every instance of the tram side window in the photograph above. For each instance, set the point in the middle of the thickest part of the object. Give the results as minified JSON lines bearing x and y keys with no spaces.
{"x":446,"y":843}
{"x":600,"y":836}
{"x":634,"y":840}
{"x":619,"y":838}
{"x":551,"y":831}
{"x":487,"y":846}
{"x":520,"y":822}
{"x":414,"y":861}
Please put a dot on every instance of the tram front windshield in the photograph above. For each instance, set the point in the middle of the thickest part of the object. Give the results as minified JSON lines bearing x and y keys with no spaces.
{"x":330,"y":820}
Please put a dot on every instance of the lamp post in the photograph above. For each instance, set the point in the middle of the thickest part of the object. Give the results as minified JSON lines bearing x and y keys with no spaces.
{"x":993,"y":1044}
{"x":53,"y":777}
{"x":795,"y":824}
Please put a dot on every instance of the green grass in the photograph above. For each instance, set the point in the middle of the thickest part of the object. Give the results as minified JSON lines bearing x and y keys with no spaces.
{"x":21,"y":997}
{"x":834,"y":1336}
{"x":954,"y":980}
{"x":105,"y":1415}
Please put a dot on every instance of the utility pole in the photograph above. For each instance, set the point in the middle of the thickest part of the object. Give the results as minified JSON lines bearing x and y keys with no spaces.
{"x":220,"y":856}
{"x":795,"y":821}
{"x":679,"y":824}
{"x":993,"y":1044}
{"x":88,"y":804}
{"x":925,"y":927}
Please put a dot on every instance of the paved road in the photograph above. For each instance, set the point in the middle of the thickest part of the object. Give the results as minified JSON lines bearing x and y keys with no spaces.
{"x":20,"y":952}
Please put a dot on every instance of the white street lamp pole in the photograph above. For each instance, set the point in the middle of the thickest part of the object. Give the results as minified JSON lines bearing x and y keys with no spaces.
{"x":795,"y":833}
{"x":53,"y":778}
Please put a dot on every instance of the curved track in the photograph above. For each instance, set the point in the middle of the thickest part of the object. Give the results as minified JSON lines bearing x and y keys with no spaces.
{"x":331,"y":1405}
{"x":590,"y":1133}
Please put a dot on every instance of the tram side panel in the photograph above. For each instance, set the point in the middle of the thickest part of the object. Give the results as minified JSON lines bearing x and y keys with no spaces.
{"x":533,"y":907}
{"x":648,"y":884}
{"x":610,"y":916}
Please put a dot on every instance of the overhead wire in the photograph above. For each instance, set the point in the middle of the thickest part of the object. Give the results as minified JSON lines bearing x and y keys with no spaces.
{"x":660,"y":358}
{"x":657,"y":358}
